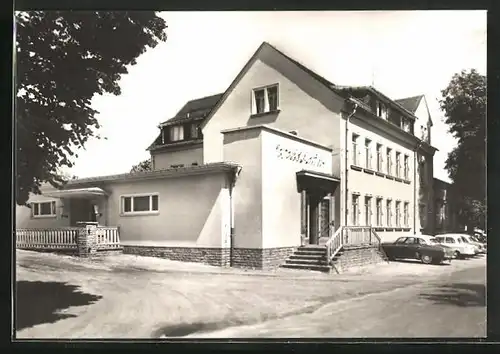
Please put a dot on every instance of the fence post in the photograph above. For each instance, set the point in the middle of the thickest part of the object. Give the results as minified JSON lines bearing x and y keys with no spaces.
{"x":87,"y":243}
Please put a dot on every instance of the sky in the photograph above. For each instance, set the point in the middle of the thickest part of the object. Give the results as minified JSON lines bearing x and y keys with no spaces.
{"x":402,"y":53}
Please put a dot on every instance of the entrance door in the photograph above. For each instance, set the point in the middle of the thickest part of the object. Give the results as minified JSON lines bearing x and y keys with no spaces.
{"x":314,"y":218}
{"x":324,"y":218}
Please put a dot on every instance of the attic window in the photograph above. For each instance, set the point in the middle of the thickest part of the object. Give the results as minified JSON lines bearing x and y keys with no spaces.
{"x":195,"y":131}
{"x":177,"y":133}
{"x":265,"y":99}
{"x":382,"y":110}
{"x":405,"y":125}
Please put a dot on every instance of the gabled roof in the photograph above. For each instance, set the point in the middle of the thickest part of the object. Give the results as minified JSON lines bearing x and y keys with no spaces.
{"x":196,"y":109}
{"x":329,"y":85}
{"x":410,"y":103}
{"x":193,"y":110}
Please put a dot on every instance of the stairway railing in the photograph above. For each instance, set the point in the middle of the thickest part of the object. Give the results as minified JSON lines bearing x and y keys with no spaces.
{"x":351,"y":235}
{"x":334,"y":244}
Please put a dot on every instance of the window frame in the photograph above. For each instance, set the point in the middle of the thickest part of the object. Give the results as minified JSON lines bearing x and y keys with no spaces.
{"x":406,"y":171}
{"x":406,"y":214}
{"x":382,"y":110}
{"x":368,"y":153}
{"x":388,"y":206}
{"x":132,"y":197}
{"x":53,"y":209}
{"x":388,"y":153}
{"x":267,"y":109}
{"x":398,"y":164}
{"x":355,"y":209}
{"x":368,"y":210}
{"x":171,"y":133}
{"x":380,"y":160}
{"x":355,"y":150}
{"x":380,"y":211}
{"x":398,"y":213}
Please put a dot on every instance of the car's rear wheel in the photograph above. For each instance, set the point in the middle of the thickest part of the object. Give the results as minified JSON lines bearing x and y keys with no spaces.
{"x":426,"y":259}
{"x":457,"y":255}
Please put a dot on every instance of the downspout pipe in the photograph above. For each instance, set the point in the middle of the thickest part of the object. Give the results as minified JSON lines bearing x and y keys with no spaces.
{"x":346,"y":170}
{"x":415,"y":155}
{"x":232,"y":184}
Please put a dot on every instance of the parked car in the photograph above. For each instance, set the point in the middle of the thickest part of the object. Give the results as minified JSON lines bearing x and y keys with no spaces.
{"x":481,"y":248}
{"x":425,"y":249}
{"x":460,"y":248}
{"x":481,"y":238}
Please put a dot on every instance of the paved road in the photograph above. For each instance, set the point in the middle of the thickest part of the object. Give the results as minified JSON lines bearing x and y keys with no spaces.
{"x":449,"y":305}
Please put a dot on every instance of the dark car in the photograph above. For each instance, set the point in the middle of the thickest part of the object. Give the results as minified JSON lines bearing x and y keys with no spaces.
{"x":423,"y":248}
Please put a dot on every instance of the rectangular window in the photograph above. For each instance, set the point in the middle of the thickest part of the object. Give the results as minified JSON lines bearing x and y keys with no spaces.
{"x":368,"y":211}
{"x":379,"y":212}
{"x":43,"y":209}
{"x":265,"y":99}
{"x":389,"y":212}
{"x":272,"y":98}
{"x":398,"y":214}
{"x":398,"y":164}
{"x":406,"y":214}
{"x":389,"y":161}
{"x":368,"y":153}
{"x":355,"y":151}
{"x":140,"y":204}
{"x":405,"y":125}
{"x":355,"y":209}
{"x":379,"y":157}
{"x":407,"y":167}
{"x":177,"y":133}
{"x":382,"y":110}
{"x":195,"y":130}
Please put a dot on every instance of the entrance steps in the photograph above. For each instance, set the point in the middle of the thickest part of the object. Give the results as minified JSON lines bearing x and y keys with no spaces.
{"x":310,"y":257}
{"x":313,"y":257}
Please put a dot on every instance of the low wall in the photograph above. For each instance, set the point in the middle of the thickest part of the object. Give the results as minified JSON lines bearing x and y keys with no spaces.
{"x":359,"y":256}
{"x":253,"y":258}
{"x":211,"y":256}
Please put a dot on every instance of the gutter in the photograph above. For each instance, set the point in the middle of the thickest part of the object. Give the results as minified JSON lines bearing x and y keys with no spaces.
{"x":415,"y":152}
{"x":232,"y":185}
{"x":215,"y":167}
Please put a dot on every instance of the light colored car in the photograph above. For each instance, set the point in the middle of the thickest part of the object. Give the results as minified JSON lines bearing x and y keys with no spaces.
{"x":470,"y":239}
{"x":461,"y":249}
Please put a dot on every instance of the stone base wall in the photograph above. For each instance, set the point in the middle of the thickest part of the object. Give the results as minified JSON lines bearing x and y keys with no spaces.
{"x":211,"y":256}
{"x":254,"y":258}
{"x":358,"y":256}
{"x":261,"y":258}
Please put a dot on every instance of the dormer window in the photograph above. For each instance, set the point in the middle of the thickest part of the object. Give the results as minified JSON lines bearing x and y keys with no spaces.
{"x":265,"y":100}
{"x":177,"y":133}
{"x":382,"y":110}
{"x":405,"y":125}
{"x":195,"y":131}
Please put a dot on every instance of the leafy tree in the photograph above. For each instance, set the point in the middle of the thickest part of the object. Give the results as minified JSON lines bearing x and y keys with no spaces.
{"x":464,"y":105}
{"x":142,"y":166}
{"x":62,"y":59}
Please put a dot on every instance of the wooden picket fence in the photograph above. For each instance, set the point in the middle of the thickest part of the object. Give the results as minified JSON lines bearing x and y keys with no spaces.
{"x":65,"y":238}
{"x":48,"y":239}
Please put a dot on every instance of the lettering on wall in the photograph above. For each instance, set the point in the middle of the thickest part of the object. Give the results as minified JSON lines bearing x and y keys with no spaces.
{"x":302,"y":157}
